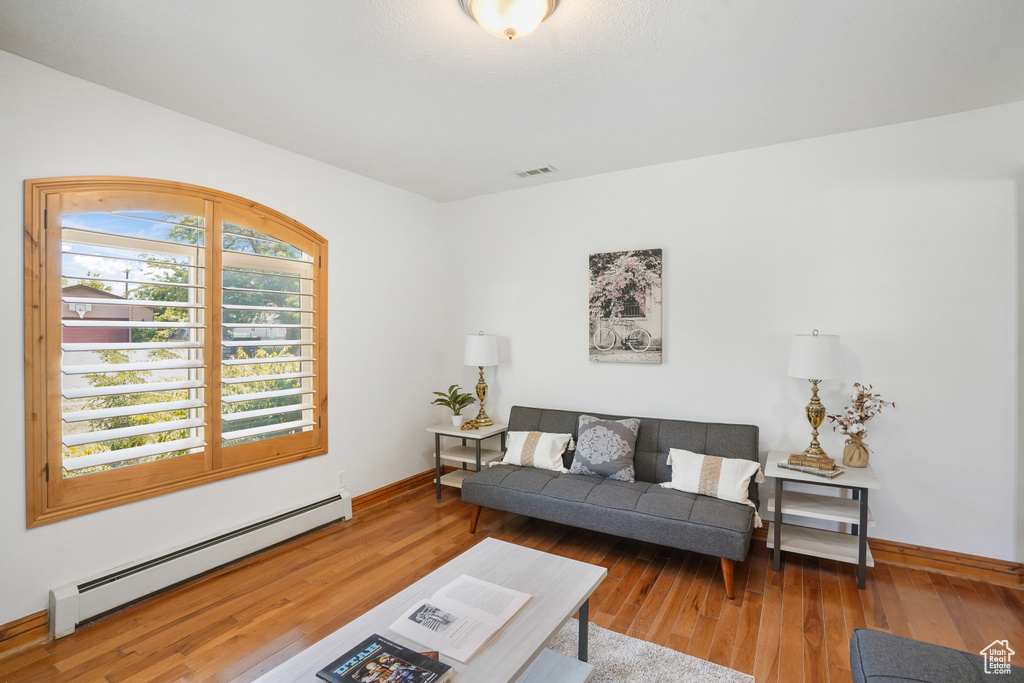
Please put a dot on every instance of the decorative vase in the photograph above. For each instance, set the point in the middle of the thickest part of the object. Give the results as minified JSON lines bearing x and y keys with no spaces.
{"x":458,"y":420}
{"x":856,"y":453}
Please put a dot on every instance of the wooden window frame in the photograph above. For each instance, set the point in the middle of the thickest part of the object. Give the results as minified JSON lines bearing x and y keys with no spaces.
{"x":50,"y":497}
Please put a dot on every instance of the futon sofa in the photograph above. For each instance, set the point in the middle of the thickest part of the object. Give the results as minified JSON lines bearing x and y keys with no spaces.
{"x":640,"y":510}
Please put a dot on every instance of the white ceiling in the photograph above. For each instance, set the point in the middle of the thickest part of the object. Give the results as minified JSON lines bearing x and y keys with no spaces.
{"x":413,"y":93}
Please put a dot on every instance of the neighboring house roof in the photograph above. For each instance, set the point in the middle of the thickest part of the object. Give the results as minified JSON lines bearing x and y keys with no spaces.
{"x":86,"y":290}
{"x":101,"y":310}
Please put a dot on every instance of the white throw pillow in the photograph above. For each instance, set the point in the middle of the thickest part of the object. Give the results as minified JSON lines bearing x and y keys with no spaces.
{"x":711,"y":475}
{"x":536,"y":449}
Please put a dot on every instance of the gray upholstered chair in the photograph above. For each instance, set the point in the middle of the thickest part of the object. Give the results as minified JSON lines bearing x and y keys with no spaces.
{"x":879,"y":657}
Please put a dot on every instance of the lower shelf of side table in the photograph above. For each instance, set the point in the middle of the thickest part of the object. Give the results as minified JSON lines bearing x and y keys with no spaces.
{"x":817,"y":506}
{"x":830,"y":545}
{"x":455,"y":478}
{"x":467,"y":454}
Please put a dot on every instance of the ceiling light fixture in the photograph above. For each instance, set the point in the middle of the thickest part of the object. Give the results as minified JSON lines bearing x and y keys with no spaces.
{"x":509,"y":19}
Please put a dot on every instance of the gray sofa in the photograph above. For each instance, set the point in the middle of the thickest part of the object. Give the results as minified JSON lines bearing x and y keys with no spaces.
{"x":878,"y":657}
{"x":640,"y":510}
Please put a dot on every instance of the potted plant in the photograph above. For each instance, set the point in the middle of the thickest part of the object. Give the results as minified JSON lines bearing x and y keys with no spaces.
{"x":456,"y":400}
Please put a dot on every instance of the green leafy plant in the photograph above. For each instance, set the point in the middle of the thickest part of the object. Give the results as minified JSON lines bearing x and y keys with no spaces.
{"x":453,"y":399}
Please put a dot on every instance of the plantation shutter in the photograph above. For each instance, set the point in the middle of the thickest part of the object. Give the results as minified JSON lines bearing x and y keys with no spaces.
{"x":132,"y":330}
{"x":269,"y":327}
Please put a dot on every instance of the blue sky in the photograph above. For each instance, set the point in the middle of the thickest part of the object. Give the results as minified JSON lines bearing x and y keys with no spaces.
{"x":108,"y":262}
{"x":154,"y":225}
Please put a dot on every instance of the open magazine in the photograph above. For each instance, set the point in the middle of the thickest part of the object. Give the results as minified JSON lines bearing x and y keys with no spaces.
{"x":460,"y":617}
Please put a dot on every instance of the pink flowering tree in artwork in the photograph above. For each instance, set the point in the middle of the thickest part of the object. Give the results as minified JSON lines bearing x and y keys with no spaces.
{"x":621,"y":279}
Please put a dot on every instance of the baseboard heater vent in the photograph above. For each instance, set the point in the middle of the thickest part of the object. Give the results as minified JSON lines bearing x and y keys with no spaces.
{"x":77,"y":603}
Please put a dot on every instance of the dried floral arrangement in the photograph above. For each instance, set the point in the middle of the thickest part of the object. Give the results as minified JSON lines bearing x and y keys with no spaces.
{"x":865,"y":406}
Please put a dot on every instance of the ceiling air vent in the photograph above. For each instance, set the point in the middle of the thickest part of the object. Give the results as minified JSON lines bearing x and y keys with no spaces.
{"x":535,"y":171}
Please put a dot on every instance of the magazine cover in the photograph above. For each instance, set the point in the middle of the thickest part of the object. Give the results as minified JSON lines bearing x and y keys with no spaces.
{"x":379,"y":660}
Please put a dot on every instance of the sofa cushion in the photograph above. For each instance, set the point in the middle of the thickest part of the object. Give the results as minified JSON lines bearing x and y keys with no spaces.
{"x":604,"y":448}
{"x":524,"y":479}
{"x":537,"y":449}
{"x":667,"y":503}
{"x":711,"y":475}
{"x":570,"y":487}
{"x":622,"y":495}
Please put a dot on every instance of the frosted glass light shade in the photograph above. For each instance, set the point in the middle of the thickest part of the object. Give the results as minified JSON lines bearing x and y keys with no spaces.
{"x":481,"y":350}
{"x":509,"y":19}
{"x":815,"y":356}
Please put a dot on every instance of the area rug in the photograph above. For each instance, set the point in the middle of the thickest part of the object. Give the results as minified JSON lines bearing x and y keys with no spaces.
{"x":621,"y":659}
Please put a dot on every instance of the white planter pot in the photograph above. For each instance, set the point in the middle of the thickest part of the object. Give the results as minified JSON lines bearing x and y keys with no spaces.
{"x":458,"y":420}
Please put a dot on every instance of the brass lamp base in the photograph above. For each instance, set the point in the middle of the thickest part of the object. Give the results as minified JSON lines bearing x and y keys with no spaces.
{"x":815,"y":415}
{"x":482,"y":419}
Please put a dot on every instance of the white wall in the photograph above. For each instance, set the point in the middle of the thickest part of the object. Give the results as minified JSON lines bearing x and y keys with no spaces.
{"x":384,"y":261}
{"x":900,"y":239}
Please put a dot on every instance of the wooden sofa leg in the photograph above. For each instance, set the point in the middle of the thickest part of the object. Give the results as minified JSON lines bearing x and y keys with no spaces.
{"x":474,"y":518}
{"x":726,"y":576}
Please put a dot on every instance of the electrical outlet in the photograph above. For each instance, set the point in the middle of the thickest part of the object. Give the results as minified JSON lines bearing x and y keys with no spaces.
{"x":342,"y":480}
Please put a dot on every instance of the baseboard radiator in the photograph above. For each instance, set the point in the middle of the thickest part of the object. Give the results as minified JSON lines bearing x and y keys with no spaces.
{"x":77,"y":603}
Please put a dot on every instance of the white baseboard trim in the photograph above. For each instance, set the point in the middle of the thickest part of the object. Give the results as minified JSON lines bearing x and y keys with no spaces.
{"x":76,"y":603}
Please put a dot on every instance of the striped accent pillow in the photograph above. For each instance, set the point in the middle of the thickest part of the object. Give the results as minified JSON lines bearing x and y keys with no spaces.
{"x":536,"y":449}
{"x":711,"y":475}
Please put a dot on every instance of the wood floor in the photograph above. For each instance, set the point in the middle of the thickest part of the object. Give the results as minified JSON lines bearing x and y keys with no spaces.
{"x":793,"y":625}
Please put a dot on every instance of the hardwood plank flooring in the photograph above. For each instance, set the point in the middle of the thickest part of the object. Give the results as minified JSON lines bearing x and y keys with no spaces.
{"x":794,"y":625}
{"x":769,"y":635}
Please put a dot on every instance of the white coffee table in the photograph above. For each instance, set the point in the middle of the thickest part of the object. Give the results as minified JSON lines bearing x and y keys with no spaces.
{"x":559,"y":587}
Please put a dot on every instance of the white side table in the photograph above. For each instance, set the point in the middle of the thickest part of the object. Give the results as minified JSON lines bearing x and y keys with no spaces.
{"x":833,"y":545}
{"x":464,"y":454}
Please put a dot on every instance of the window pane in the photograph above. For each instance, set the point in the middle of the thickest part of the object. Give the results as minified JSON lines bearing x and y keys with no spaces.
{"x":123,"y":348}
{"x":245,"y":241}
{"x":266,"y":389}
{"x":151,"y":226}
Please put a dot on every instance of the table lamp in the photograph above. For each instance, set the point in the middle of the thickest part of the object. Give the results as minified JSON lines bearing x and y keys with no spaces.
{"x":815,"y":357}
{"x":481,"y":351}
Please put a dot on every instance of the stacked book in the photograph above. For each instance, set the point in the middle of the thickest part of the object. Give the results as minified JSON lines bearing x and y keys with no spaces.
{"x":812,"y":461}
{"x":816,"y":471}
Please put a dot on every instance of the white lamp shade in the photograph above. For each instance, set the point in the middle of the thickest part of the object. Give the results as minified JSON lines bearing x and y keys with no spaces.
{"x":481,"y":350}
{"x":815,"y":356}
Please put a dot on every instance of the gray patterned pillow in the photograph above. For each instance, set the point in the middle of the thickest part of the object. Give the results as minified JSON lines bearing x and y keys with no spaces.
{"x":604,"y":448}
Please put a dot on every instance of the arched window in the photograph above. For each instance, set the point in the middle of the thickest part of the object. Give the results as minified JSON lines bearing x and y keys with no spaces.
{"x":174,"y":335}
